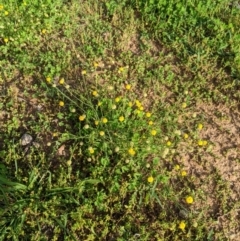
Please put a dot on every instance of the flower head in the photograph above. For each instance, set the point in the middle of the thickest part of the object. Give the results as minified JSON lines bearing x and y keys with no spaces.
{"x":61,"y":103}
{"x":121,"y":69}
{"x":182,"y":225}
{"x":200,"y":126}
{"x":184,"y":105}
{"x":5,"y":40}
{"x":183,"y":173}
{"x":153,"y":132}
{"x":43,"y":31}
{"x":169,"y":143}
{"x":117,"y":99}
{"x":128,"y":87}
{"x":101,"y":133}
{"x":104,"y":120}
{"x":150,"y":179}
{"x":48,"y":79}
{"x":189,"y":199}
{"x":61,"y":81}
{"x":91,"y":150}
{"x":95,"y":93}
{"x":148,"y":114}
{"x":131,"y":151}
{"x":121,"y":118}
{"x":82,"y":117}
{"x":150,"y":123}
{"x":84,"y":72}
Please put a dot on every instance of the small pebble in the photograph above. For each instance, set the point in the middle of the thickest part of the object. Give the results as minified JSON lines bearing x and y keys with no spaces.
{"x":26,"y":139}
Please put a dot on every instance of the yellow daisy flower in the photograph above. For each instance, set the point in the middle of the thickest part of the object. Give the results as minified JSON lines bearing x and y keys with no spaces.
{"x":150,"y":179}
{"x":128,"y":87}
{"x":189,"y":199}
{"x":121,"y":118}
{"x":153,"y":132}
{"x":61,"y":103}
{"x":101,"y":133}
{"x":82,"y":117}
{"x":91,"y":150}
{"x":61,"y":81}
{"x":182,"y":225}
{"x":131,"y":151}
{"x":104,"y":120}
{"x":148,"y":114}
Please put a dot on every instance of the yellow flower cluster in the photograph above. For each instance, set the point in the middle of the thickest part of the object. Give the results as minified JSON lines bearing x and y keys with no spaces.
{"x":139,"y":105}
{"x":202,"y":142}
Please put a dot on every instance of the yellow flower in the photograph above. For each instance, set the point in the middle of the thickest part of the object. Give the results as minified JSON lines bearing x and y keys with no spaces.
{"x":128,"y":87}
{"x":184,"y":105}
{"x":153,"y":132}
{"x":130,"y":104}
{"x":101,"y":133}
{"x":131,"y":151}
{"x":61,"y":103}
{"x":169,"y":143}
{"x":48,"y":79}
{"x":121,"y":118}
{"x":138,"y":103}
{"x":177,"y":167}
{"x":61,"y":81}
{"x":104,"y":120}
{"x":205,"y":142}
{"x":84,"y":72}
{"x":150,"y":179}
{"x":1,"y":7}
{"x":184,"y":173}
{"x":121,"y":69}
{"x":99,"y":103}
{"x":82,"y":117}
{"x":95,"y":64}
{"x":148,"y":114}
{"x":6,"y":13}
{"x":141,"y":108}
{"x":150,"y":123}
{"x":185,"y":136}
{"x":200,"y":126}
{"x":95,"y":93}
{"x":91,"y":150}
{"x":117,"y":99}
{"x":96,"y":123}
{"x":5,"y":40}
{"x":182,"y":225}
{"x":44,"y":31}
{"x":200,"y":143}
{"x":189,"y":199}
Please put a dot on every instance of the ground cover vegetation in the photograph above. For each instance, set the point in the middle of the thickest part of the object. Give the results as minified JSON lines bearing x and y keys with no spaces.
{"x":119,"y":120}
